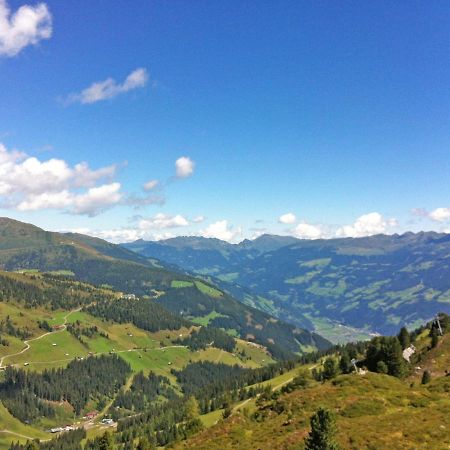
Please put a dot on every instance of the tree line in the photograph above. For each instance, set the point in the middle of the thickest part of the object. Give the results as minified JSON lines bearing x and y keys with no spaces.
{"x":144,"y":391}
{"x":79,"y":382}
{"x":143,"y":313}
{"x":208,"y":336}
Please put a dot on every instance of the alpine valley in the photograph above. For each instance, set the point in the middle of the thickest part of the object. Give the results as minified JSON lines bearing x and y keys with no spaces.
{"x":345,"y":289}
{"x":224,"y":225}
{"x":145,"y":345}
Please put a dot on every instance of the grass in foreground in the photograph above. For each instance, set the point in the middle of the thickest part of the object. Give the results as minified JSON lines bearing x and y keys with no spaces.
{"x":373,"y":412}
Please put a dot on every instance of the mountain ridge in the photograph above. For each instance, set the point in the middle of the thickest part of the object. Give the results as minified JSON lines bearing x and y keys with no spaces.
{"x":376,"y":283}
{"x":93,"y":260}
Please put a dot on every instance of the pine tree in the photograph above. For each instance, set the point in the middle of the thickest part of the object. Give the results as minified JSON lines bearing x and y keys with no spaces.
{"x":382,"y":367}
{"x":330,"y":369}
{"x":32,"y":446}
{"x":106,"y":442}
{"x":345,"y":362}
{"x":394,"y":358}
{"x":426,"y":377}
{"x":192,"y":408}
{"x":404,"y":338}
{"x":227,"y":412}
{"x":144,"y":444}
{"x":434,"y":337}
{"x":323,"y":429}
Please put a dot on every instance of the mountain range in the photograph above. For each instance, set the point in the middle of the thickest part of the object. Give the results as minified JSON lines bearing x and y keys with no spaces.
{"x":342,"y":288}
{"x":106,"y":348}
{"x":25,"y":247}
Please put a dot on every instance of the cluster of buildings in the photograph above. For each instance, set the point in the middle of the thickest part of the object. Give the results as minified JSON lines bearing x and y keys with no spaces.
{"x":59,"y":429}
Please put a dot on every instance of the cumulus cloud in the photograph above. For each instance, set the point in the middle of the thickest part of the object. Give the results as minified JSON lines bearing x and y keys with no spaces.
{"x":257,"y":232}
{"x":162,"y":221}
{"x":198,"y":219}
{"x":151,"y":228}
{"x":308,"y":231}
{"x":288,"y":218}
{"x":440,"y":214}
{"x":117,"y":236}
{"x":27,"y":26}
{"x":184,"y":167}
{"x":109,"y":88}
{"x":27,"y":183}
{"x":221,"y":230}
{"x":152,"y":184}
{"x":367,"y":225}
{"x":91,"y":203}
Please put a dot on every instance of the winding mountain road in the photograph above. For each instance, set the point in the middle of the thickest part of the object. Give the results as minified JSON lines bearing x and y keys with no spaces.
{"x":27,"y":342}
{"x":13,"y":433}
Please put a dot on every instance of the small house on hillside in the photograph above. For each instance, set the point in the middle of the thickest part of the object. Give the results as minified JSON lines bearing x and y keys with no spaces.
{"x":408,"y":352}
{"x":91,"y":415}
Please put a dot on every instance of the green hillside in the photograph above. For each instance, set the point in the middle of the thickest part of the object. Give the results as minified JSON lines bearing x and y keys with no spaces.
{"x":344,"y":289}
{"x":372,"y":410}
{"x":24,"y":247}
{"x":46,"y":330}
{"x":234,"y":407}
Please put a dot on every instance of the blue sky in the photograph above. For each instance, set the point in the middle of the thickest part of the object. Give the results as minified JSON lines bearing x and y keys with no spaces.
{"x":316,"y":119}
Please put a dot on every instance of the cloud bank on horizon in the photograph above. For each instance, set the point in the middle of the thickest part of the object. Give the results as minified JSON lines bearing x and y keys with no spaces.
{"x":30,"y":184}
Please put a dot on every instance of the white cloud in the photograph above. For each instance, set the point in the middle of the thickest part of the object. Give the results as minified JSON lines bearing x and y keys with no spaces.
{"x":117,"y":236}
{"x":122,"y":235}
{"x":27,"y":184}
{"x":221,"y":230}
{"x":97,"y":199}
{"x":162,"y":221}
{"x":367,"y":225}
{"x":184,"y":167}
{"x":21,"y":173}
{"x":440,"y":214}
{"x":154,"y":228}
{"x":307,"y":231}
{"x":288,"y":218}
{"x":198,"y":219}
{"x":109,"y":88}
{"x":257,"y":232}
{"x":27,"y":26}
{"x":152,"y":184}
{"x":91,"y":203}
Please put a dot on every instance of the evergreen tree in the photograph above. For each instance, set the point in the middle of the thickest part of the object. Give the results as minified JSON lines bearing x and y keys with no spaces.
{"x":434,"y":337}
{"x":32,"y":446}
{"x":192,"y":408}
{"x":426,"y":377}
{"x":227,"y":412}
{"x":106,"y":442}
{"x":323,"y":429}
{"x":382,"y":367}
{"x":394,"y":358}
{"x":330,"y":369}
{"x":144,"y":444}
{"x":404,"y":338}
{"x":345,"y":362}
